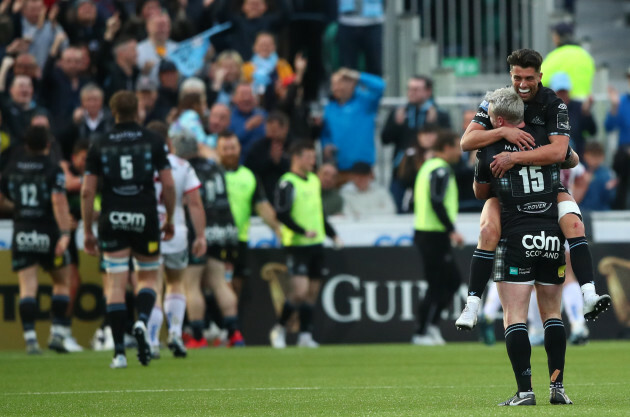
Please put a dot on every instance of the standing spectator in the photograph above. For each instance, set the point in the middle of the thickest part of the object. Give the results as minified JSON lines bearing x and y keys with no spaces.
{"x":189,"y":115}
{"x":63,"y":84}
{"x":403,"y":124}
{"x":436,"y":211}
{"x":363,"y":197}
{"x":268,"y":158}
{"x":88,"y":121}
{"x":583,"y":124}
{"x":146,"y":92}
{"x":571,"y":58}
{"x":254,"y":18}
{"x":361,"y":32}
{"x":266,"y":68}
{"x":157,"y":46}
{"x":218,"y":121}
{"x":135,"y":24}
{"x":331,"y":198}
{"x":168,"y":90}
{"x":601,"y":182}
{"x":31,"y":34}
{"x":618,"y":117}
{"x":82,"y":24}
{"x":224,"y":76}
{"x":248,"y":120}
{"x":19,"y":108}
{"x":23,"y":64}
{"x":123,"y":72}
{"x":291,"y":100}
{"x":349,"y":119}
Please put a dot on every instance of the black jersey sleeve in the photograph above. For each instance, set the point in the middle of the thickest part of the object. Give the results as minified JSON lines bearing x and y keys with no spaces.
{"x":483,"y":175}
{"x":557,"y":119}
{"x":284,"y":203}
{"x":482,"y":116}
{"x":259,"y":193}
{"x":439,"y":183}
{"x":329,"y":229}
{"x":93,"y":164}
{"x":58,"y":180}
{"x":160,"y":155}
{"x":4,"y":186}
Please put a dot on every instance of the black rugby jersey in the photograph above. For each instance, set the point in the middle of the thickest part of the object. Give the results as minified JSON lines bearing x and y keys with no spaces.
{"x":126,"y":159}
{"x":29,"y":182}
{"x":528,"y":194}
{"x":545,"y":114}
{"x":215,"y":201}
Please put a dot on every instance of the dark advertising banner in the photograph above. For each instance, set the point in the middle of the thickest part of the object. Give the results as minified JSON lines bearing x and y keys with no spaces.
{"x":372,"y":295}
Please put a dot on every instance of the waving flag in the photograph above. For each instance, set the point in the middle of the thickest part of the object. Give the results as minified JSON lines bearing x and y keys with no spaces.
{"x":189,"y":54}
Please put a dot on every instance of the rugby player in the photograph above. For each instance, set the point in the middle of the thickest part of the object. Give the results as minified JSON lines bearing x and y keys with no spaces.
{"x":125,"y":159}
{"x":35,"y":184}
{"x":544,"y":112}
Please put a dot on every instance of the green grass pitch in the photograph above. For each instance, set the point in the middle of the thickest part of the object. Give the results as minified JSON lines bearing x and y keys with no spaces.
{"x":460,"y":379}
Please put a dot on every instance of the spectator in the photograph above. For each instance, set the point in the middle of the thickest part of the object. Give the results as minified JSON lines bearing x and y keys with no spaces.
{"x":23,"y":64}
{"x":157,"y":46}
{"x":291,"y":100}
{"x":570,"y":58}
{"x":82,"y":24}
{"x":583,"y":125}
{"x":331,"y":198}
{"x":618,"y":118}
{"x":123,"y":72}
{"x":361,"y":32}
{"x":403,"y":124}
{"x":189,"y":115}
{"x":146,"y":92}
{"x":218,"y":121}
{"x":268,"y":158}
{"x":32,"y":35}
{"x":135,"y":24}
{"x":414,"y":157}
{"x":266,"y":68}
{"x":63,"y":84}
{"x":254,"y":18}
{"x":362,"y":197}
{"x":224,"y":76}
{"x":247,"y":118}
{"x":89,"y":120}
{"x":168,"y":90}
{"x":465,"y":172}
{"x":601,"y":182}
{"x":19,"y":108}
{"x":349,"y":119}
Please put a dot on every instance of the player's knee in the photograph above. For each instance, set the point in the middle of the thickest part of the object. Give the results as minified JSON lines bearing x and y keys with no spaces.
{"x":489,"y":236}
{"x":572,"y":226}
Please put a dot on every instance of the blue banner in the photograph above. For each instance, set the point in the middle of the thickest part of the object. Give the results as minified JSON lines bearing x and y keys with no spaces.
{"x":189,"y":54}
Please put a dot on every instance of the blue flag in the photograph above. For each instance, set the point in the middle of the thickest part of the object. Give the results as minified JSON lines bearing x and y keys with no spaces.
{"x":189,"y":54}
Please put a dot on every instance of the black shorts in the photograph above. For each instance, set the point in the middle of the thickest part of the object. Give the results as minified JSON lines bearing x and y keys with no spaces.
{"x":241,"y":266}
{"x":138,"y":230}
{"x":35,"y":245}
{"x":307,"y":261}
{"x":227,"y":253}
{"x":531,"y":257}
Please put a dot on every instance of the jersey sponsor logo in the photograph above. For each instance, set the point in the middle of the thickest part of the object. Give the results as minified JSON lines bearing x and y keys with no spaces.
{"x":513,"y":270}
{"x":562,"y":106}
{"x":32,"y":242}
{"x":541,"y":246}
{"x":481,"y":114}
{"x":122,"y":220}
{"x":221,"y":235}
{"x":534,"y":207}
{"x":153,"y":247}
{"x":538,"y":121}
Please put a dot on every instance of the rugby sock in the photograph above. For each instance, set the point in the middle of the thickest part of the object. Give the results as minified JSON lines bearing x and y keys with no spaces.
{"x":287,"y":310}
{"x":59,"y":307}
{"x":480,"y":271}
{"x":493,"y":303}
{"x":306,"y":317}
{"x":28,"y":308}
{"x":572,"y":302}
{"x":197,"y":329}
{"x":117,"y":317}
{"x":519,"y":351}
{"x":231,"y":324}
{"x":130,"y":302}
{"x":175,"y":309}
{"x":581,"y":259}
{"x":145,"y":300}
{"x":556,"y":346}
{"x":154,"y":325}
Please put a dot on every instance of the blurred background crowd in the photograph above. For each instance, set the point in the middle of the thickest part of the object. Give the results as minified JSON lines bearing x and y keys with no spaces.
{"x":283,"y":70}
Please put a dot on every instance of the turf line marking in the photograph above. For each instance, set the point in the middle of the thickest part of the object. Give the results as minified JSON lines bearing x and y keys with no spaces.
{"x":383,"y":387}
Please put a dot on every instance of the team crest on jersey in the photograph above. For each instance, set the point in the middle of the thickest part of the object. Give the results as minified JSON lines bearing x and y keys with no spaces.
{"x":153,"y":247}
{"x":538,"y":121}
{"x":534,"y":207}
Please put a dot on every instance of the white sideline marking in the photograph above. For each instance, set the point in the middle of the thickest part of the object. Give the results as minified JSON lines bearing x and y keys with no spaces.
{"x":383,"y":387}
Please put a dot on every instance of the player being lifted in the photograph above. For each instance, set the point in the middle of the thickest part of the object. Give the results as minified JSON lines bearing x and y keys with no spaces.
{"x":35,"y":185}
{"x":546,"y":114}
{"x":125,"y":159}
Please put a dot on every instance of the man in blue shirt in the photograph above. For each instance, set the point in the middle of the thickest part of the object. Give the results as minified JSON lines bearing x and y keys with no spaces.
{"x":619,"y":118}
{"x":248,"y":120}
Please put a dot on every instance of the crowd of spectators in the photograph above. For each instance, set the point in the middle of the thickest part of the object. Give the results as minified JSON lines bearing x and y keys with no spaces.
{"x":263,"y":79}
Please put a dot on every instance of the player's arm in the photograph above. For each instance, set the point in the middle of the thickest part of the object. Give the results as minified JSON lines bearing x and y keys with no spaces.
{"x":88,"y":193}
{"x":482,"y":185}
{"x":168,"y":195}
{"x":265,"y":210}
{"x":571,"y":160}
{"x":284,"y":203}
{"x":439,"y":180}
{"x":61,"y":210}
{"x":480,"y":133}
{"x":198,"y":218}
{"x":554,"y":153}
